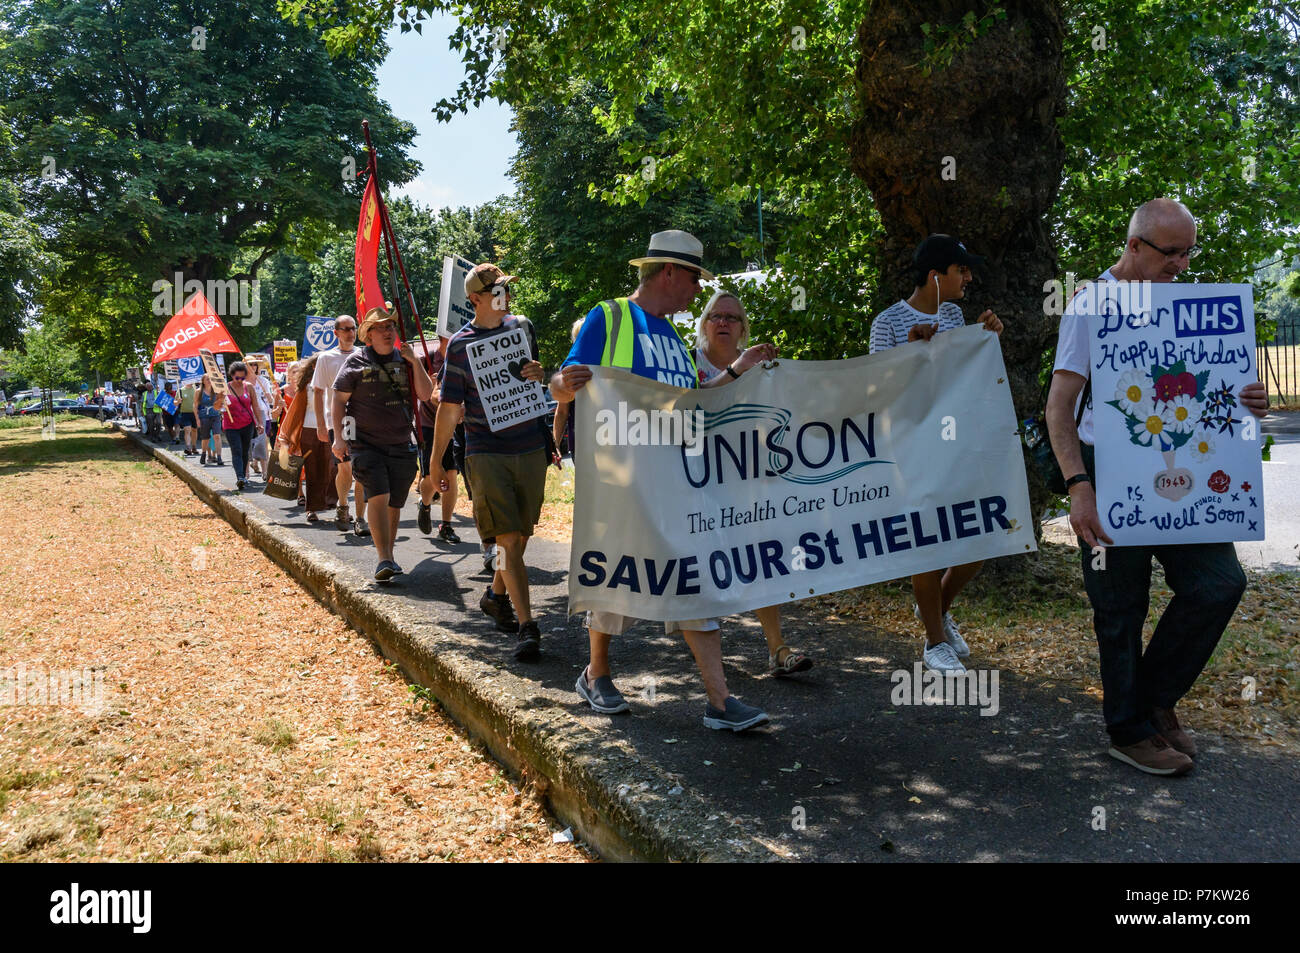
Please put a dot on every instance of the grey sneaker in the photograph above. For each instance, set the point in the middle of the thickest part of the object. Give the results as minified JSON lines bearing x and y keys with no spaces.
{"x":601,"y":694}
{"x":342,"y":519}
{"x":737,"y":717}
{"x":950,"y":631}
{"x":942,"y":658}
{"x":359,"y":527}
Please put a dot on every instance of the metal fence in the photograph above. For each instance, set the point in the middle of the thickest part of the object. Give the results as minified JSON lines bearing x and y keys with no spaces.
{"x":1279,"y":365}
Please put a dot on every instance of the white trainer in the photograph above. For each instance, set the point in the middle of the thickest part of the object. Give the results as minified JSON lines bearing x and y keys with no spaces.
{"x":954,"y":636}
{"x":942,"y":658}
{"x":950,"y":631}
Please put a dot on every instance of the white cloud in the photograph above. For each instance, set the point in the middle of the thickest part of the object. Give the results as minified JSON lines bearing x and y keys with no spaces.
{"x":432,"y":194}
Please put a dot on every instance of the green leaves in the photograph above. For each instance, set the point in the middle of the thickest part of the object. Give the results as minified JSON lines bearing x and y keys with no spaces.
{"x":175,"y":150}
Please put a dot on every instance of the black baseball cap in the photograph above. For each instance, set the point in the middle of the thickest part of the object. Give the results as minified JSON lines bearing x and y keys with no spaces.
{"x":939,"y":252}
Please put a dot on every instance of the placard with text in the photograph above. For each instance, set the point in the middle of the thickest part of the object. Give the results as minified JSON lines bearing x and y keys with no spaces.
{"x":1178,"y":456}
{"x":497,"y":362}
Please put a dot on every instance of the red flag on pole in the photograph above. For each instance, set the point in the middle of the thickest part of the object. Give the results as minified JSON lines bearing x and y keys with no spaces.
{"x":193,"y":327}
{"x":366,"y":260}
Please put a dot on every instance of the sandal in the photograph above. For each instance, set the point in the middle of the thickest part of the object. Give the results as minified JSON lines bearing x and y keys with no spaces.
{"x":312,"y":517}
{"x":794,"y":662}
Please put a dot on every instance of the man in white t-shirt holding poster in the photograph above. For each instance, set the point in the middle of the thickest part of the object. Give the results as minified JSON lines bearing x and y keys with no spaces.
{"x":1141,"y":688}
{"x":328,"y":365}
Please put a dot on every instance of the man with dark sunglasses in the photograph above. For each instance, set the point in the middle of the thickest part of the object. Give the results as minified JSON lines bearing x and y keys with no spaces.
{"x":328,"y":366}
{"x":1141,"y":687}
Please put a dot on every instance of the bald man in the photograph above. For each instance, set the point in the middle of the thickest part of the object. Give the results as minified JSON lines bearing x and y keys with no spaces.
{"x":1140,"y":688}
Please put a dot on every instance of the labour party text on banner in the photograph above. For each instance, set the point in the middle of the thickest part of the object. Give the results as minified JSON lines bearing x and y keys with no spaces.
{"x":1178,"y":457}
{"x":799,"y":479}
{"x":508,"y":398}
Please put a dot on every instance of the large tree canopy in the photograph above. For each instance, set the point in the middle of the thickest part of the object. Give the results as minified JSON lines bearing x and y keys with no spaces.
{"x":158,"y":136}
{"x":570,"y":246}
{"x":22,"y":255}
{"x":1163,"y":97}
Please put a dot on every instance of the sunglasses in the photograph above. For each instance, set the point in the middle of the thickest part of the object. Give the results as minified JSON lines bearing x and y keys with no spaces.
{"x":733,"y":318}
{"x":345,"y":327}
{"x":239,"y":377}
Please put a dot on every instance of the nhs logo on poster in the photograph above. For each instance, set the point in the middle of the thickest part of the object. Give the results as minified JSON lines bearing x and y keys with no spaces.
{"x":319,"y":335}
{"x":191,"y":369}
{"x":1196,"y":317}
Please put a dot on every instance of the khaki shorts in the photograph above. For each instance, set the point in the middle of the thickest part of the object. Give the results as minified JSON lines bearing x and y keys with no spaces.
{"x":611,"y":623}
{"x":507,"y":489}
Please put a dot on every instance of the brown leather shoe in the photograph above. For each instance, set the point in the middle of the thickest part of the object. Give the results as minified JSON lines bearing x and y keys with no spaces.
{"x":1153,"y":755}
{"x":1166,"y":723}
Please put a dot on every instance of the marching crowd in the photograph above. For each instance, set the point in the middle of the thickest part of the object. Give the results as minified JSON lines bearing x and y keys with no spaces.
{"x":345,"y":417}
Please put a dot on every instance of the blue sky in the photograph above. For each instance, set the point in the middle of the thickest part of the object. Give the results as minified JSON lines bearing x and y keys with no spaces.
{"x":464,"y":160}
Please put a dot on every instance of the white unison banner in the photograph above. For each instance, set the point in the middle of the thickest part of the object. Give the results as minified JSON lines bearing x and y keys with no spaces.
{"x":1178,"y":457}
{"x":799,"y":479}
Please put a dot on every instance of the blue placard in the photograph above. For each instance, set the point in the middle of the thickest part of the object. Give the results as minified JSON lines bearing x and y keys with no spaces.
{"x":191,"y":369}
{"x":319,"y":335}
{"x":165,"y":402}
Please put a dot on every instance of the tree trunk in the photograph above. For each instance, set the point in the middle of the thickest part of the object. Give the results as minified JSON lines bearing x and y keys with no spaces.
{"x":971,"y":150}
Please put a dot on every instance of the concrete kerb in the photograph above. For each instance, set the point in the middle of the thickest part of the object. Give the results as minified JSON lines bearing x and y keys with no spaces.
{"x":594,"y":783}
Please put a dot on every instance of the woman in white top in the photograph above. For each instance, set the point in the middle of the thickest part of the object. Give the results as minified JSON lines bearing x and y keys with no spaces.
{"x":722,"y":333}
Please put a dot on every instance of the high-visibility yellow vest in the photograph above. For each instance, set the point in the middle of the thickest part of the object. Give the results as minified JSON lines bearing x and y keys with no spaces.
{"x":620,"y":337}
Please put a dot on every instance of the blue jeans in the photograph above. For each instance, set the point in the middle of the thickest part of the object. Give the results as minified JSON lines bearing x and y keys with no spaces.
{"x":240,"y":439}
{"x":1207,"y":582}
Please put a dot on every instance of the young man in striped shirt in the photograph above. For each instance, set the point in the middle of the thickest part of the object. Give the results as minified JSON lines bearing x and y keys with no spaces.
{"x":941,"y":269}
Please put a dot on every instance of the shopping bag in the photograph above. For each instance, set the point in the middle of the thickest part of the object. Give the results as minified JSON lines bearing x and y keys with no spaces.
{"x":284,"y":475}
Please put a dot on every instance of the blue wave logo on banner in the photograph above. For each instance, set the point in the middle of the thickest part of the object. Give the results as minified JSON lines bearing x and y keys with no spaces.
{"x":768,"y":447}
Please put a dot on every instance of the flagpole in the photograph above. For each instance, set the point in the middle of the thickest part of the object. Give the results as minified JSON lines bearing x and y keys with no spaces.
{"x":386,"y":226}
{"x":391,"y":252}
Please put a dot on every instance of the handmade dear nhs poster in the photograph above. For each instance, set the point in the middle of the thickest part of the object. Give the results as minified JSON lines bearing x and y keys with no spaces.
{"x":497,"y":363}
{"x":1178,"y":456}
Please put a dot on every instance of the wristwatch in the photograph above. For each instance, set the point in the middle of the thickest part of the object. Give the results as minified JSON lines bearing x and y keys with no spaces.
{"x":1077,"y":478}
{"x":732,"y":371}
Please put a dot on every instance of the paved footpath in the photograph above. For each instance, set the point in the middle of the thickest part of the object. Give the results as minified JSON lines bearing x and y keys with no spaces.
{"x":843,"y":775}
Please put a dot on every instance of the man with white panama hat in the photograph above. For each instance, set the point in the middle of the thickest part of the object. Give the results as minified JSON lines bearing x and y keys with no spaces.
{"x":634,"y":333}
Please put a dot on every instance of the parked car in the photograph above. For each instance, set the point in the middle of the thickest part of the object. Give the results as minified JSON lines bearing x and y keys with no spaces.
{"x":61,"y":405}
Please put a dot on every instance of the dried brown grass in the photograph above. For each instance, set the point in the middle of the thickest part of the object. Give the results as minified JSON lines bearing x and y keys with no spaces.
{"x":244,"y":721}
